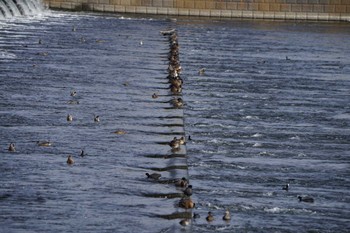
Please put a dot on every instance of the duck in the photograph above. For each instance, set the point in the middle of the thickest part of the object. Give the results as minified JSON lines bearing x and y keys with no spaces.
{"x":182,"y":140}
{"x":69,"y":117}
{"x":96,"y":118}
{"x":12,"y":147}
{"x":186,"y":203}
{"x":154,"y":176}
{"x":210,"y":217}
{"x":178,"y":102}
{"x":73,"y":102}
{"x":175,"y":144}
{"x":196,"y":215}
{"x":189,"y":138}
{"x":120,"y":132}
{"x":43,"y":143}
{"x":286,"y":187}
{"x":201,"y":71}
{"x":70,"y":160}
{"x":184,"y":222}
{"x":154,"y":96}
{"x":183,"y":182}
{"x":82,"y":153}
{"x":175,"y":89}
{"x":227,"y":216}
{"x":73,"y":93}
{"x":306,"y":199}
{"x":188,"y":191}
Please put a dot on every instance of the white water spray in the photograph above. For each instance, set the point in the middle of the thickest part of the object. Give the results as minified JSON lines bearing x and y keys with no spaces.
{"x":15,"y":8}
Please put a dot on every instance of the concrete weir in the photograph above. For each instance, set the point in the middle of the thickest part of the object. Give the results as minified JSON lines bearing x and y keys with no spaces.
{"x":328,"y":10}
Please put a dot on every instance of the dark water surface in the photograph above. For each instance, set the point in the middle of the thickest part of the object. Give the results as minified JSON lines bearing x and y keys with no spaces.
{"x":273,"y":107}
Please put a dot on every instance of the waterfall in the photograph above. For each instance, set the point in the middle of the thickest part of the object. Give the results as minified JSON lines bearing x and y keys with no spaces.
{"x":14,"y":8}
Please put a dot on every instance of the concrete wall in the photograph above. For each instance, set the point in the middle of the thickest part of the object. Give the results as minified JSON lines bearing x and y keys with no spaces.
{"x":266,"y":9}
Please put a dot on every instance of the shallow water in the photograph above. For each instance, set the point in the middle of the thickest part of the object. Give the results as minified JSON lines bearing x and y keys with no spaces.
{"x":257,"y":121}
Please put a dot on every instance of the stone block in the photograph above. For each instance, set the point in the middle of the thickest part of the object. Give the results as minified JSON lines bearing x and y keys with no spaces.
{"x":189,"y":4}
{"x":108,"y":8}
{"x":329,"y":8}
{"x":286,"y":7}
{"x":255,"y":15}
{"x":151,"y":10}
{"x":205,"y":13}
{"x":125,"y":2}
{"x":194,"y":12}
{"x":220,"y":5}
{"x":248,"y":14}
{"x":157,"y":3}
{"x":345,"y":2}
{"x":334,"y":16}
{"x":290,"y":15}
{"x":136,"y":3}
{"x":296,"y":8}
{"x":215,"y":13}
{"x":275,"y":7}
{"x":199,"y":4}
{"x":209,"y":5}
{"x":141,"y":9}
{"x":280,"y":15}
{"x":253,"y":6}
{"x":269,"y":15}
{"x":313,"y":2}
{"x":173,"y":11}
{"x":146,"y":2}
{"x":318,"y":8}
{"x":231,"y":5}
{"x":162,"y":11}
{"x":306,"y":8}
{"x":180,"y":4}
{"x":340,"y":8}
{"x":98,"y":7}
{"x":168,"y":3}
{"x":236,"y":14}
{"x":345,"y":17}
{"x":264,"y":7}
{"x":103,"y":1}
{"x":300,"y":16}
{"x":312,"y":16}
{"x":323,"y":16}
{"x":66,"y":5}
{"x":226,"y":13}
{"x":242,"y":6}
{"x":55,"y":5}
{"x":324,"y":2}
{"x":119,"y":8}
{"x":130,"y":9}
{"x":114,"y":2}
{"x":184,"y":12}
{"x":93,"y":1}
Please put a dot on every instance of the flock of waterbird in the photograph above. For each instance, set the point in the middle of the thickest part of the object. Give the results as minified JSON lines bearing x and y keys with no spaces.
{"x":174,"y":70}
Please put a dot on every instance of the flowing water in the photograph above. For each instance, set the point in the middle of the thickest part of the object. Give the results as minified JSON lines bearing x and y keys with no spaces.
{"x":271,"y":108}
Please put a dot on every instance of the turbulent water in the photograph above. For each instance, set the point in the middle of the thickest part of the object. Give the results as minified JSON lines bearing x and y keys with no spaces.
{"x":271,"y":108}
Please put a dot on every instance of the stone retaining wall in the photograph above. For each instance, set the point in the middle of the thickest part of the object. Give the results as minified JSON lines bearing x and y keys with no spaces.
{"x":338,"y":10}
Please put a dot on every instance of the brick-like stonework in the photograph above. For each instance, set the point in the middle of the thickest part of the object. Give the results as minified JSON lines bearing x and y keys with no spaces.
{"x":265,"y":9}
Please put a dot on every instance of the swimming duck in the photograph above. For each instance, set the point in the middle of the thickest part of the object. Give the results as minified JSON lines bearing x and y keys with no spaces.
{"x":186,"y":203}
{"x":43,"y":143}
{"x":210,"y":217}
{"x":175,"y":89}
{"x":40,"y":41}
{"x":188,"y":191}
{"x":70,"y":160}
{"x":120,"y":132}
{"x":69,"y":117}
{"x":82,"y":153}
{"x":227,"y":216}
{"x":201,"y":71}
{"x":286,"y":187}
{"x":182,"y":140}
{"x":195,"y":215}
{"x":175,"y":144}
{"x":73,"y":93}
{"x":183,"y":182}
{"x":154,"y":176}
{"x":184,"y":222}
{"x":306,"y":199}
{"x":73,"y":102}
{"x":96,"y":118}
{"x":154,"y":96}
{"x":178,"y":103}
{"x":12,"y":147}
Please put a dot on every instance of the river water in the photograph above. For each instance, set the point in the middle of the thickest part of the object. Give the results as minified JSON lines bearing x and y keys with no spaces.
{"x":271,"y":108}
